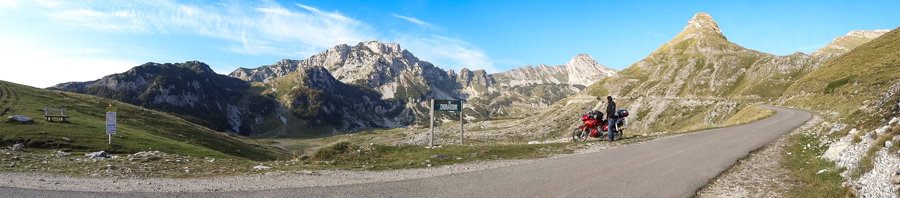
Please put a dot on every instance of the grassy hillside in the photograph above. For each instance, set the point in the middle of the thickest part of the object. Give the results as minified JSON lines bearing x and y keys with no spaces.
{"x":138,"y":130}
{"x":858,"y":88}
{"x":857,"y":78}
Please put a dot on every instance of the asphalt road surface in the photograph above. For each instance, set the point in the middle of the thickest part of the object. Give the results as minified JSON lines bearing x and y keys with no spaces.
{"x":669,"y":167}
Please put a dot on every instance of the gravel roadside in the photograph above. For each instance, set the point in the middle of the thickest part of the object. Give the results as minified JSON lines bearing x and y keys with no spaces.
{"x":275,"y":179}
{"x":760,"y":174}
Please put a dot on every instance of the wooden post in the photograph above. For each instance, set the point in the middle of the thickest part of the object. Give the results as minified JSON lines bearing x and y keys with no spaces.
{"x":461,"y":129}
{"x":431,"y":142}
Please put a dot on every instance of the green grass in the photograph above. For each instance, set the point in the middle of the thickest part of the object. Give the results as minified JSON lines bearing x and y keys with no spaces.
{"x":846,"y":89}
{"x":805,"y":162}
{"x":344,"y":155}
{"x":138,"y":130}
{"x":750,"y":113}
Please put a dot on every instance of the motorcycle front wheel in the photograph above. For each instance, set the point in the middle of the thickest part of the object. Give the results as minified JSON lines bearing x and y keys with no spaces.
{"x":579,"y":135}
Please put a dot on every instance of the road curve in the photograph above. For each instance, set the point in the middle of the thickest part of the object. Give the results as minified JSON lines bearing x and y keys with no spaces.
{"x":669,"y":167}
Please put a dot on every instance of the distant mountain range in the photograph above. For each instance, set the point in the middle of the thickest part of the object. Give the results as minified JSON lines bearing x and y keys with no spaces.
{"x":342,"y":89}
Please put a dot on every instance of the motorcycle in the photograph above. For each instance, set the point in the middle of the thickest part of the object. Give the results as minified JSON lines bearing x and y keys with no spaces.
{"x":595,"y":126}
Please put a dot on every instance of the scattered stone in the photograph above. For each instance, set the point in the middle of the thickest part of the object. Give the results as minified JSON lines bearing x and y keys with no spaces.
{"x":895,"y":177}
{"x":66,"y":139}
{"x":18,"y":147}
{"x":59,"y":153}
{"x":441,"y":156}
{"x":146,"y":153}
{"x":261,"y":167}
{"x":97,"y":155}
{"x":534,"y":142}
{"x":476,"y":154}
{"x":820,"y":171}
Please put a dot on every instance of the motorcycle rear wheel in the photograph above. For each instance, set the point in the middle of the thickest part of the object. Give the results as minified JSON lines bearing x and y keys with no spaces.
{"x":579,"y":135}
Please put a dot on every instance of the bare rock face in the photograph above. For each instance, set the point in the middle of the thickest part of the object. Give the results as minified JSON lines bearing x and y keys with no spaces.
{"x":584,"y":70}
{"x":847,"y":42}
{"x":581,"y":70}
{"x":704,"y":23}
{"x":191,"y":88}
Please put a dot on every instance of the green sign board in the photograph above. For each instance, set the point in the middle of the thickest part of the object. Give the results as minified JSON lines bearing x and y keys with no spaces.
{"x":447,"y":105}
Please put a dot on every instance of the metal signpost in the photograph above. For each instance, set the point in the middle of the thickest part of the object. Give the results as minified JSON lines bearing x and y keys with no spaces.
{"x":110,"y":121}
{"x":446,"y":105}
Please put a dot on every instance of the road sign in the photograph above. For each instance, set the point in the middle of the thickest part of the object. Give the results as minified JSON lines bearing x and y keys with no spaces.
{"x":447,"y":105}
{"x":110,"y":123}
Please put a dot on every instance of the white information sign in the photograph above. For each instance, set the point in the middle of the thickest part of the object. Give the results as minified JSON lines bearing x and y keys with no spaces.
{"x":110,"y":123}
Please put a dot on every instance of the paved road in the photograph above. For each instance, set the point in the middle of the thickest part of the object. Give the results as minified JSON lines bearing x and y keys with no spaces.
{"x":670,"y":167}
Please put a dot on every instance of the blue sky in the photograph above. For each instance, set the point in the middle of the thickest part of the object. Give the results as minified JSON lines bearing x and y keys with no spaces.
{"x":44,"y":42}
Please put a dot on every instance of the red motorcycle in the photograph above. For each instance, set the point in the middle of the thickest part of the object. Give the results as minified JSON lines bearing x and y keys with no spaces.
{"x":595,"y":126}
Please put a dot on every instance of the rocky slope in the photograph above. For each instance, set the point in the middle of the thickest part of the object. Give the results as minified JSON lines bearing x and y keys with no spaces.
{"x":847,"y":42}
{"x":398,"y":75}
{"x":856,"y":93}
{"x":191,"y":90}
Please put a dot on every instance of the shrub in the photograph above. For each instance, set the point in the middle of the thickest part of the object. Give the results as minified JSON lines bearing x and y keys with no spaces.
{"x":837,"y":83}
{"x":332,"y":151}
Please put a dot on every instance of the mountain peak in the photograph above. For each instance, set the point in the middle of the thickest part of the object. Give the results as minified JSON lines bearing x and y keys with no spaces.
{"x":582,"y":58}
{"x":383,"y":48}
{"x":703,"y":22}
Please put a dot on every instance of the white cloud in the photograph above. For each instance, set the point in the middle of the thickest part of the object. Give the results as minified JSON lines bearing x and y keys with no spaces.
{"x":44,"y":68}
{"x":267,"y":28}
{"x":448,"y":53}
{"x":413,"y":20}
{"x":262,"y":28}
{"x":9,"y":3}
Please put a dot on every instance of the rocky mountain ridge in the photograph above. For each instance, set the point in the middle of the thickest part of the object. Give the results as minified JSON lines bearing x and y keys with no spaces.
{"x":850,"y":41}
{"x":191,"y":89}
{"x":342,"y":89}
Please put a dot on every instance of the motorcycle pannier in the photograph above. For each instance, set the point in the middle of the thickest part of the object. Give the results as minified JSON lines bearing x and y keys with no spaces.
{"x":622,"y":113}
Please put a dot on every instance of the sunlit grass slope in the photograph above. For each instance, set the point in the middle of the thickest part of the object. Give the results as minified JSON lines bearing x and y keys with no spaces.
{"x":138,"y":130}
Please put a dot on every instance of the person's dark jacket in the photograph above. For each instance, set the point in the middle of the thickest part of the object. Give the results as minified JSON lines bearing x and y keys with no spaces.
{"x":611,"y":109}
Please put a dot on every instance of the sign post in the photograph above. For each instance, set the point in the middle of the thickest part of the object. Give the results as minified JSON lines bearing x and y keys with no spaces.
{"x":447,"y":105}
{"x":110,"y":121}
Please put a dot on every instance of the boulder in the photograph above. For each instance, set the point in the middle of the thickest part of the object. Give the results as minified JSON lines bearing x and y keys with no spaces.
{"x":895,"y":177}
{"x":18,"y":147}
{"x":261,"y":167}
{"x":97,"y":155}
{"x":19,"y":118}
{"x":888,"y":144}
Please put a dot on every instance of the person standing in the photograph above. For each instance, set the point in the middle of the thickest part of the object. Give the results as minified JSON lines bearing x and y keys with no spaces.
{"x":611,"y":117}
